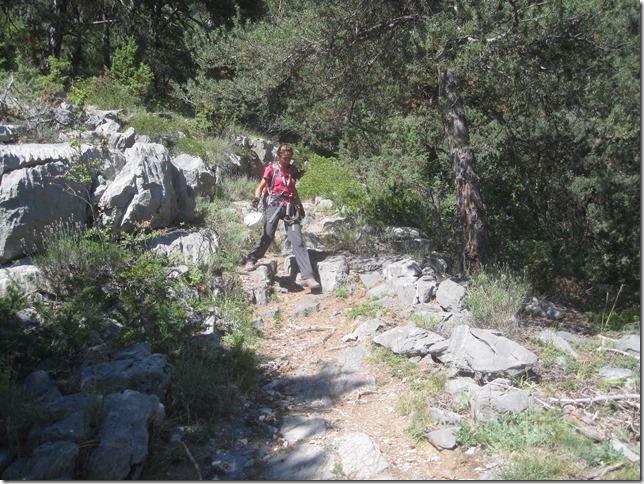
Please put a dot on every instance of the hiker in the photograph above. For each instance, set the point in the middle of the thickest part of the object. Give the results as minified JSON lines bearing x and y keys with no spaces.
{"x":282,"y":203}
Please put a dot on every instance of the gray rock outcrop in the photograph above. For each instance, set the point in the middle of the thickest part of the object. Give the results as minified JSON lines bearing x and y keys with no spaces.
{"x":143,"y":193}
{"x":39,"y":196}
{"x":486,"y":354}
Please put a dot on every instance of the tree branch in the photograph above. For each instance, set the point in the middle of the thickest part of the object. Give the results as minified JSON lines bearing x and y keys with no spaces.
{"x":192,"y":459}
{"x":607,"y":398}
{"x":378,"y":29}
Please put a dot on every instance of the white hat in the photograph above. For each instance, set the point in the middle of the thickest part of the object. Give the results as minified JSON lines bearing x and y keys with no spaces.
{"x":254,"y":220}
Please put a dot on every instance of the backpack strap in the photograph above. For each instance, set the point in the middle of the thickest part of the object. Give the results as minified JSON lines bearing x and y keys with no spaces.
{"x":276,"y":172}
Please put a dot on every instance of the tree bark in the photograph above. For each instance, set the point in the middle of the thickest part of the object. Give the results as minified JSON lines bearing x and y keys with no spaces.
{"x":56,"y":28}
{"x":470,"y":201}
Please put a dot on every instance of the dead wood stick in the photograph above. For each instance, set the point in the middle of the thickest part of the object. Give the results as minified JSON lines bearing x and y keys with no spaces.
{"x":546,"y":405}
{"x":324,"y":340}
{"x":313,"y":328}
{"x":600,"y":349}
{"x":606,"y":337}
{"x":365,"y":392}
{"x":335,"y":348}
{"x":192,"y":459}
{"x":606,"y":470}
{"x":607,"y":398}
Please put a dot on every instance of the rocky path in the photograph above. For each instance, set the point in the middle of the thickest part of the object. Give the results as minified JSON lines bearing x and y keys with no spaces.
{"x":333,"y":406}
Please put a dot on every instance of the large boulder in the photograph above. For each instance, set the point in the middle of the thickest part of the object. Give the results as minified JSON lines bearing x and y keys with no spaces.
{"x":124,"y":436}
{"x":450,"y":294}
{"x":334,"y":272}
{"x":135,"y":368}
{"x":194,"y":247}
{"x":38,"y":196}
{"x":486,"y":354}
{"x":144,"y":194}
{"x":408,"y":340}
{"x":497,"y":398}
{"x":200,"y":177}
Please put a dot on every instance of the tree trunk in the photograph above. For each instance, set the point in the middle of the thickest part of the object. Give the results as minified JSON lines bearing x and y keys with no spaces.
{"x":56,"y":29}
{"x":470,"y":202}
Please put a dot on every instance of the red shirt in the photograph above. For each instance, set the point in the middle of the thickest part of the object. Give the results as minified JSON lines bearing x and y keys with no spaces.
{"x":284,"y":182}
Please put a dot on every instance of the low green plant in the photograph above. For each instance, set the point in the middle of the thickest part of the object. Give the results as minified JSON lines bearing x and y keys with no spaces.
{"x":201,"y":389}
{"x":367,"y":310}
{"x":191,"y":146}
{"x":357,"y":236}
{"x":235,"y":188}
{"x":615,"y":321}
{"x":550,"y":354}
{"x":630,"y":472}
{"x":521,"y":437}
{"x":426,"y":321}
{"x":400,"y":366}
{"x":465,"y":402}
{"x":157,"y":128}
{"x":494,"y":296}
{"x":537,"y":466}
{"x":277,"y":317}
{"x":416,"y":403}
{"x":341,"y":292}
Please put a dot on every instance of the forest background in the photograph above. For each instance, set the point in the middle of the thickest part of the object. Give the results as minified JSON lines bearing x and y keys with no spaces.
{"x":508,"y":131}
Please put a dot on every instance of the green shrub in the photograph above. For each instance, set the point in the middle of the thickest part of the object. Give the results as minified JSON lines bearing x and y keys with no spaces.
{"x":367,"y":310}
{"x":104,"y":93}
{"x":494,"y":296}
{"x":80,"y":269}
{"x":200,"y":389}
{"x":156,"y":127}
{"x":627,"y":320}
{"x":150,"y":307}
{"x":326,"y":177}
{"x":536,"y":466}
{"x":138,"y":80}
{"x":76,"y":262}
{"x":191,"y":146}
{"x":17,"y":343}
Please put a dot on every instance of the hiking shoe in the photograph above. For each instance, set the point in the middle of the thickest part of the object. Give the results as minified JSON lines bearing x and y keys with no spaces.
{"x":310,"y":283}
{"x":250,"y":266}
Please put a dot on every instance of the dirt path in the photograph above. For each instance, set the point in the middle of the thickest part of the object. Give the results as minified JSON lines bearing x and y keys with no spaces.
{"x":304,"y":338}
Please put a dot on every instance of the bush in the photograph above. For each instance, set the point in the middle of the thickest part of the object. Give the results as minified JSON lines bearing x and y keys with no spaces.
{"x":152,"y":311}
{"x":138,"y":80}
{"x":495,"y":296}
{"x":326,"y":177}
{"x":156,"y":127}
{"x":104,"y":93}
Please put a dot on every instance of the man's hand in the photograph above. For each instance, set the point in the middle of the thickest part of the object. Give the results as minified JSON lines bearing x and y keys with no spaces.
{"x":255,"y":202}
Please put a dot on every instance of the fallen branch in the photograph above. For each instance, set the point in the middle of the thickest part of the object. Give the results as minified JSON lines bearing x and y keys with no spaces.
{"x":313,"y":328}
{"x":606,"y":470}
{"x":600,"y":349}
{"x":325,"y":339}
{"x":365,"y":392}
{"x":335,"y":348}
{"x":192,"y":459}
{"x":607,"y":398}
{"x":544,"y":404}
